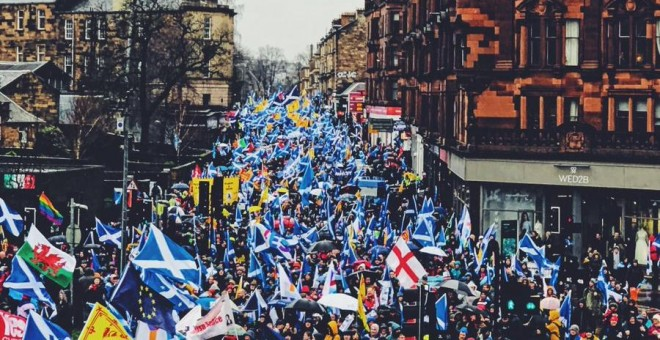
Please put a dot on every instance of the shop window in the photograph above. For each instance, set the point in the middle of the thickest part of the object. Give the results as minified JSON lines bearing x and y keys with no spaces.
{"x":639,"y":115}
{"x":549,"y":112}
{"x":571,"y":110}
{"x":621,"y":115}
{"x":533,"y":114}
{"x":572,"y":42}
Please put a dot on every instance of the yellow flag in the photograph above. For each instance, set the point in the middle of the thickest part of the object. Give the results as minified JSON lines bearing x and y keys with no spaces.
{"x":361,"y":296}
{"x":101,"y":324}
{"x":293,"y":107}
{"x":311,"y":152}
{"x":306,"y":103}
{"x":264,"y":196}
{"x":240,"y":288}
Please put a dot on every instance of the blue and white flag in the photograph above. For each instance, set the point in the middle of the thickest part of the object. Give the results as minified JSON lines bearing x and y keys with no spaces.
{"x":441,"y":313}
{"x":537,"y":254}
{"x":117,"y":196}
{"x":465,"y":226}
{"x":565,"y":311}
{"x":108,"y":234}
{"x":37,"y":328}
{"x":23,"y":282}
{"x":163,"y":256}
{"x":11,"y":220}
{"x":179,"y":297}
{"x":424,"y":233}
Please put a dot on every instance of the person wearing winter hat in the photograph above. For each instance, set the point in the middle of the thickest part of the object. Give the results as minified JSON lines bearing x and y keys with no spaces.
{"x":574,"y":332}
{"x":612,"y":330}
{"x":462,"y":333}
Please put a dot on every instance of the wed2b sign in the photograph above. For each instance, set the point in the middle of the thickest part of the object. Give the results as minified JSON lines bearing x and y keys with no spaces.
{"x":12,"y":326}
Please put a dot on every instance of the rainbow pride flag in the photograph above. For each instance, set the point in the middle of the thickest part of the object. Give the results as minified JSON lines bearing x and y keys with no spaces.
{"x":47,"y":209}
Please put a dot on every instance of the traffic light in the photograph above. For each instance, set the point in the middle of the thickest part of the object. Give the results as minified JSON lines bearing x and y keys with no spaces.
{"x":411,"y":311}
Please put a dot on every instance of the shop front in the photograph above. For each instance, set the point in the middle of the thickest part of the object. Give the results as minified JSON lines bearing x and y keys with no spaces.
{"x":384,"y":124}
{"x":577,"y":199}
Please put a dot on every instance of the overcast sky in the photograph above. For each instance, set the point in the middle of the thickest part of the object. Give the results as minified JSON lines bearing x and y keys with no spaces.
{"x":289,"y":24}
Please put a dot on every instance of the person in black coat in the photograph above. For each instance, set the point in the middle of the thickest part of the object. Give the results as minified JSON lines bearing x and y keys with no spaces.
{"x":64,"y":317}
{"x":581,"y":316}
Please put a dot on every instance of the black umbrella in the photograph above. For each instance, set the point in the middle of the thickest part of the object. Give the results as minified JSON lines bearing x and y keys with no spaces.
{"x":323,"y":246}
{"x":180,"y":186}
{"x":457,"y":286}
{"x":306,"y":305}
{"x":467,"y":308}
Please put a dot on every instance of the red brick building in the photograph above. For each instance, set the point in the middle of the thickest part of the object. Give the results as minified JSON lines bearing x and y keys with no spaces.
{"x":533,"y":112}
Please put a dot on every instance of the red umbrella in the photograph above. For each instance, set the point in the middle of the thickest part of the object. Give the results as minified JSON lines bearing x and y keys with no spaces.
{"x":358,"y":263}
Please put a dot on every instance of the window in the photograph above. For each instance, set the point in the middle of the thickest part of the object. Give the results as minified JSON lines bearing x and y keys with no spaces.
{"x":640,"y":42}
{"x":88,"y":29}
{"x":41,"y":52}
{"x":208,"y":28}
{"x":533,"y":113}
{"x":657,"y":41}
{"x":621,"y":115}
{"x":206,"y":99}
{"x":549,"y":112}
{"x":102,"y":29}
{"x":394,"y":91}
{"x":395,"y":23}
{"x":100,"y":63}
{"x":374,"y":29}
{"x":534,"y":43}
{"x":41,"y":19}
{"x":639,"y":115}
{"x":393,"y":58}
{"x":624,"y":43}
{"x":68,"y":65}
{"x":572,"y":42}
{"x":68,"y":30}
{"x":551,"y":44}
{"x":571,"y":110}
{"x":19,"y":54}
{"x":20,"y":20}
{"x":86,"y":65}
{"x":460,"y":50}
{"x":630,"y":42}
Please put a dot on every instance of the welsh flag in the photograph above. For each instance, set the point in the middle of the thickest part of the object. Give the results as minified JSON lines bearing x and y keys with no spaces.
{"x":49,"y":260}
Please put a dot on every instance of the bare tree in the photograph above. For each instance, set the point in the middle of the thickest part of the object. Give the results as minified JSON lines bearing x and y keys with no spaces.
{"x":154,"y":49}
{"x":88,"y":115}
{"x":266,"y":67}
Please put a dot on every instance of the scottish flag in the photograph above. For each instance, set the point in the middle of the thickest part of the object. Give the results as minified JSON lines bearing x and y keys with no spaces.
{"x":180,"y":298}
{"x":161,"y":255}
{"x":441,"y":313}
{"x":537,"y":254}
{"x":10,"y":219}
{"x":108,"y":234}
{"x":424,"y":233}
{"x":39,"y":328}
{"x":23,"y":282}
{"x":565,"y":310}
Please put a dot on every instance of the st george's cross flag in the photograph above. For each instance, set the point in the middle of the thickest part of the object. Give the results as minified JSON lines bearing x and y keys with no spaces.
{"x":405,"y":265}
{"x":108,"y":234}
{"x":163,"y":256}
{"x":47,"y":259}
{"x":11,"y":220}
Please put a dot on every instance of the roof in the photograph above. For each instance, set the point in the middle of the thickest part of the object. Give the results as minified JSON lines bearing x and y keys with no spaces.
{"x":22,"y":2}
{"x":17,"y":114}
{"x":21,"y":66}
{"x":115,"y":5}
{"x":8,"y":77}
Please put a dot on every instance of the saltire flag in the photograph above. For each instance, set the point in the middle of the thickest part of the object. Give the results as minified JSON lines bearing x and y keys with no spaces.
{"x":424,"y":233}
{"x":11,"y":220}
{"x":465,"y":226}
{"x":554,"y":276}
{"x":142,"y":302}
{"x":405,"y":265}
{"x":47,"y":209}
{"x":255,"y":303}
{"x":163,"y":256}
{"x":565,"y":311}
{"x":441,"y":240}
{"x":24,"y":282}
{"x":180,"y":298}
{"x":306,"y":185}
{"x":537,"y":254}
{"x":117,"y":196}
{"x":287,"y":289}
{"x":101,"y":318}
{"x":47,"y":259}
{"x":329,"y":286}
{"x":441,"y":313}
{"x":254,"y":270}
{"x":230,"y":253}
{"x":108,"y":234}
{"x":37,"y":328}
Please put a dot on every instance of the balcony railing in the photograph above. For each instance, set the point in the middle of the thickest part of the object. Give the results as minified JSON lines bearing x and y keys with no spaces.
{"x":564,"y":140}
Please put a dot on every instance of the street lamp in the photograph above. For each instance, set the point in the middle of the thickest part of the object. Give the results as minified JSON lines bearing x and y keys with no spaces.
{"x":73,"y":231}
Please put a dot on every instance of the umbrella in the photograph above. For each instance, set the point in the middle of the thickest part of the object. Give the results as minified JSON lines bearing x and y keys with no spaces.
{"x":457,"y":286}
{"x":359,"y":263}
{"x":180,"y":186}
{"x":339,"y":301}
{"x":470,"y":309}
{"x":349,"y":189}
{"x":323,"y":246}
{"x":307,"y":306}
{"x":549,"y":303}
{"x":347,"y":197}
{"x":434,"y":251}
{"x":235,"y":330}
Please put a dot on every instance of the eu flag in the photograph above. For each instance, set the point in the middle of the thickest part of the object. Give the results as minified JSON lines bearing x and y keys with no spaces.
{"x":143,"y":302}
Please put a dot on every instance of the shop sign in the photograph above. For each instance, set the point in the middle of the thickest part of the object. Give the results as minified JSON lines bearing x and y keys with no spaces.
{"x":573,"y":177}
{"x":384,"y":112}
{"x":346,"y":74}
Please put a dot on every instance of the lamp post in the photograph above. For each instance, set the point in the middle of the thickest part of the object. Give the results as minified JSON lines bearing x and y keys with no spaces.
{"x":73,"y":231}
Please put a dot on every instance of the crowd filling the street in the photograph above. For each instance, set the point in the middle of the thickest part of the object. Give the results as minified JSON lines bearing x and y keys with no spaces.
{"x":319,"y":235}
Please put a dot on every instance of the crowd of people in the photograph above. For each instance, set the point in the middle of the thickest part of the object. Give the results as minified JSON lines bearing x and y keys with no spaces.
{"x":273,"y":152}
